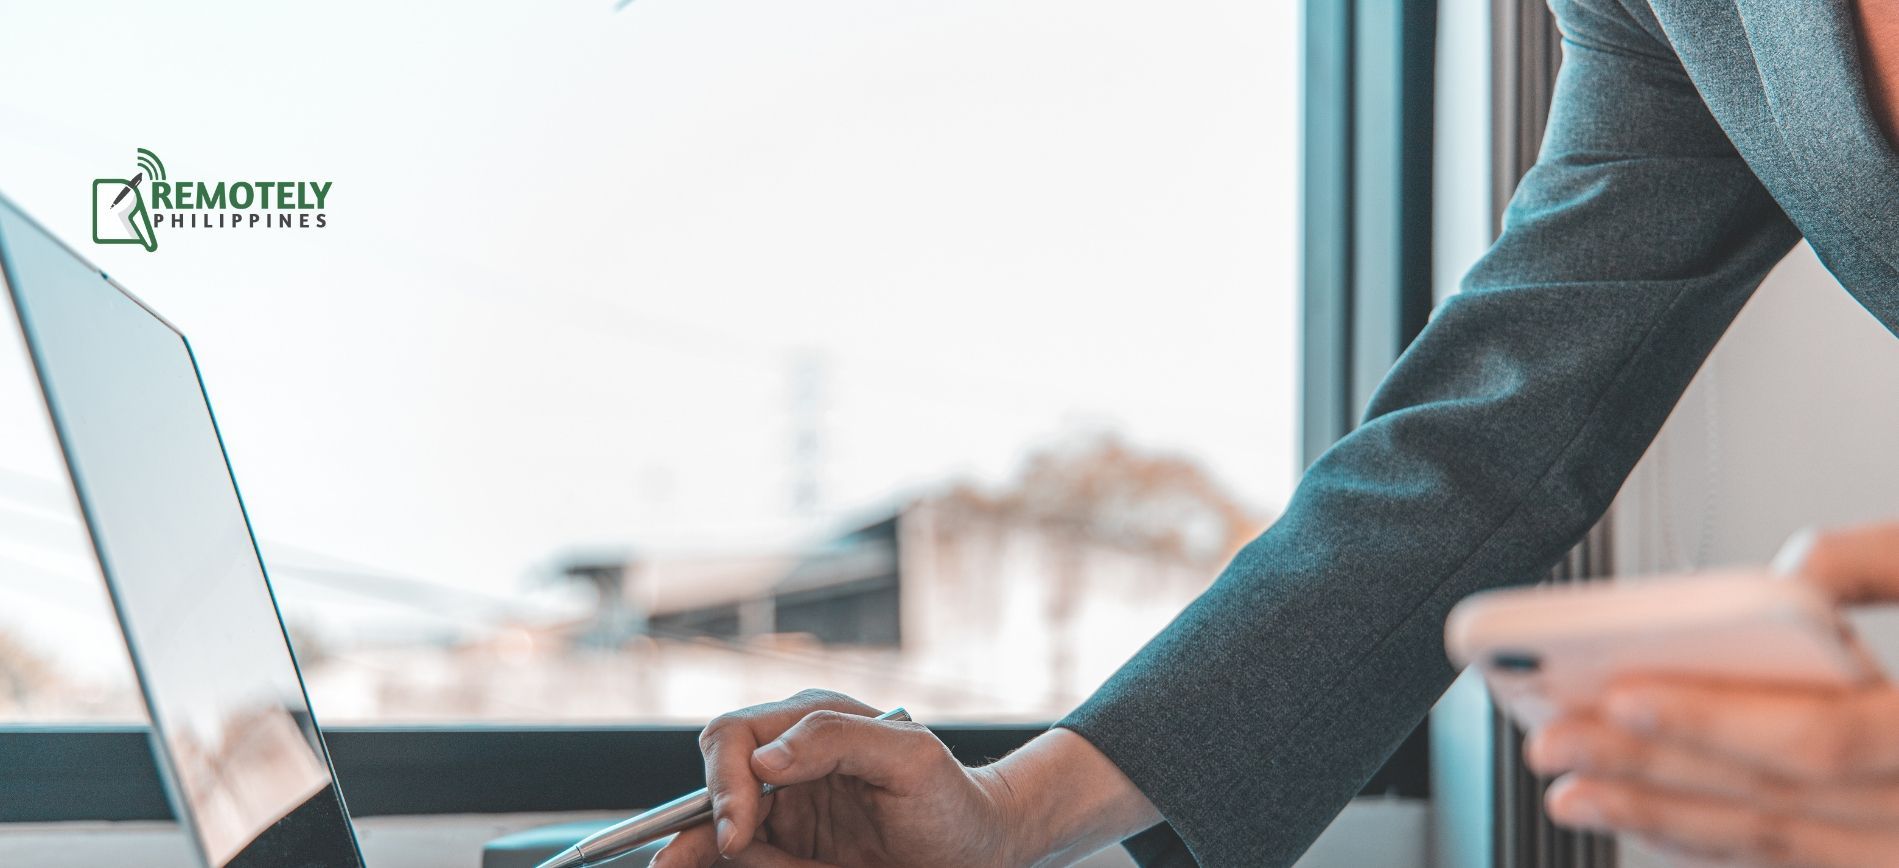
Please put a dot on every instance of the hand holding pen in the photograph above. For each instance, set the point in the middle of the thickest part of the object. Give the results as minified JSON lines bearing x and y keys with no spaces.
{"x":853,"y":790}
{"x":685,"y":812}
{"x":817,"y":780}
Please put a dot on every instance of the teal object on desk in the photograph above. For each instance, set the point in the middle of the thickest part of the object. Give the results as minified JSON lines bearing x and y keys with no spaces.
{"x":531,"y":847}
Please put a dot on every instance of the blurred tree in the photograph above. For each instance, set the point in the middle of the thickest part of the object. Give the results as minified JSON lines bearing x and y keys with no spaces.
{"x":1100,"y":490}
{"x":1111,"y":491}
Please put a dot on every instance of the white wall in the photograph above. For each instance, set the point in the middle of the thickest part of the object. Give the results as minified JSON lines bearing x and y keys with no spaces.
{"x":1791,"y":423}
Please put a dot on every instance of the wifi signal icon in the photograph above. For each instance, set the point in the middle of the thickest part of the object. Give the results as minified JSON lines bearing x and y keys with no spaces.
{"x":149,"y":163}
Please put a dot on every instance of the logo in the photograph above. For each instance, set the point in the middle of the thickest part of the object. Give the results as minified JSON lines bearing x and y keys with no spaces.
{"x":132,"y":210}
{"x":121,"y":221}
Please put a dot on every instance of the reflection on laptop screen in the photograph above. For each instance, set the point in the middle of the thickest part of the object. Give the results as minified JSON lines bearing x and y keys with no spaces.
{"x":247,"y":766}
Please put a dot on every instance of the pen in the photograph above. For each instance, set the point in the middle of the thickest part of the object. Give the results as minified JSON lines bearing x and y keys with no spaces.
{"x":128,"y":188}
{"x":679,"y":814}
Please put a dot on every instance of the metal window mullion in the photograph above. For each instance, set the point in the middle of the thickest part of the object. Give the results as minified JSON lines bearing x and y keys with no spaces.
{"x":1395,"y":42}
{"x":1327,"y":218}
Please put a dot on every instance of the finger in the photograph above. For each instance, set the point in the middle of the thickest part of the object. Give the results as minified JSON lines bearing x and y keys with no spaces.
{"x":793,"y":822}
{"x":697,"y":846}
{"x":692,"y":848}
{"x":900,"y":756}
{"x":1803,"y":734}
{"x":1706,"y":825}
{"x":727,"y":744}
{"x":1599,"y":750}
{"x":1857,"y":564}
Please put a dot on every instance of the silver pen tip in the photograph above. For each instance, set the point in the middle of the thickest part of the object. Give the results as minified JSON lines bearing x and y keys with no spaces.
{"x":568,"y":858}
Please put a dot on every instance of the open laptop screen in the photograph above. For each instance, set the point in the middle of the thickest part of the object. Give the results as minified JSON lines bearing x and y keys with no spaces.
{"x":247,"y":766}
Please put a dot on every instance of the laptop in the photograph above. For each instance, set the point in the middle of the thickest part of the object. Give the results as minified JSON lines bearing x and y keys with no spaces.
{"x":242,"y":757}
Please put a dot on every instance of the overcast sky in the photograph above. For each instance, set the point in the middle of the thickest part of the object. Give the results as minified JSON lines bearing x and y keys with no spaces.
{"x":572,"y":254}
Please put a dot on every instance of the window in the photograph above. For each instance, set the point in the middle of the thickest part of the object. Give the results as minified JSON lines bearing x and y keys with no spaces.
{"x":658,"y":362}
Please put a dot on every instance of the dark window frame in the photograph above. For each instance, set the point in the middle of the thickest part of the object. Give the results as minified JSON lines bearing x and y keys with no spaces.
{"x":1370,"y":69}
{"x":69,"y":773}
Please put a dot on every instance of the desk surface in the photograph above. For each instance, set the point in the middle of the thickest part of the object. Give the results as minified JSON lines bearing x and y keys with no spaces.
{"x":438,"y":841}
{"x":1388,"y":832}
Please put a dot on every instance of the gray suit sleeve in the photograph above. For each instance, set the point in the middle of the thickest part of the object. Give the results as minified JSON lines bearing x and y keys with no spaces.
{"x":1492,"y":446}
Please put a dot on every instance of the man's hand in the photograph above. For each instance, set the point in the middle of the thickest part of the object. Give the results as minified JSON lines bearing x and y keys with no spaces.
{"x":1757,"y":774}
{"x":861,"y":792}
{"x":854,"y":791}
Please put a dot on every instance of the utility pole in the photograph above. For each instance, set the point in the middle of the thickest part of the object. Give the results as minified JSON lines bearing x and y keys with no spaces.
{"x":806,"y":412}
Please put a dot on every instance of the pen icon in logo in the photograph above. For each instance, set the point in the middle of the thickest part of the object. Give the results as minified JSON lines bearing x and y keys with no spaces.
{"x":119,"y":215}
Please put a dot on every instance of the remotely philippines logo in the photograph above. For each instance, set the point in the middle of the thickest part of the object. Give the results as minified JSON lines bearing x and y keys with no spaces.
{"x":132,"y":210}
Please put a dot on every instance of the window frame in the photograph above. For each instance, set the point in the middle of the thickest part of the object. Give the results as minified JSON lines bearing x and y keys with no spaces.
{"x":1368,"y":143}
{"x":107,"y":773}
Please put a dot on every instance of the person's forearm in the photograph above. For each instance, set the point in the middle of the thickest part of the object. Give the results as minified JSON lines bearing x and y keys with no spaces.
{"x":1065,"y":800}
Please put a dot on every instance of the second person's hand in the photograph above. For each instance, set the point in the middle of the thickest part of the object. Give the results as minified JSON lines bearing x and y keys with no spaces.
{"x":1756,"y":774}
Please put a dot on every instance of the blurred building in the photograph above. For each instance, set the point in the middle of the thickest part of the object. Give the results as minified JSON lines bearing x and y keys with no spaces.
{"x":1012,"y":605}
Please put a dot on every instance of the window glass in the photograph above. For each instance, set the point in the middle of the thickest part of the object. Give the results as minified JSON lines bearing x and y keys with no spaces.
{"x":658,"y":361}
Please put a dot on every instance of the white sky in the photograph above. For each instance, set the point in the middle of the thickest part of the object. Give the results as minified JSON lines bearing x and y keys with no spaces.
{"x":572,"y":253}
